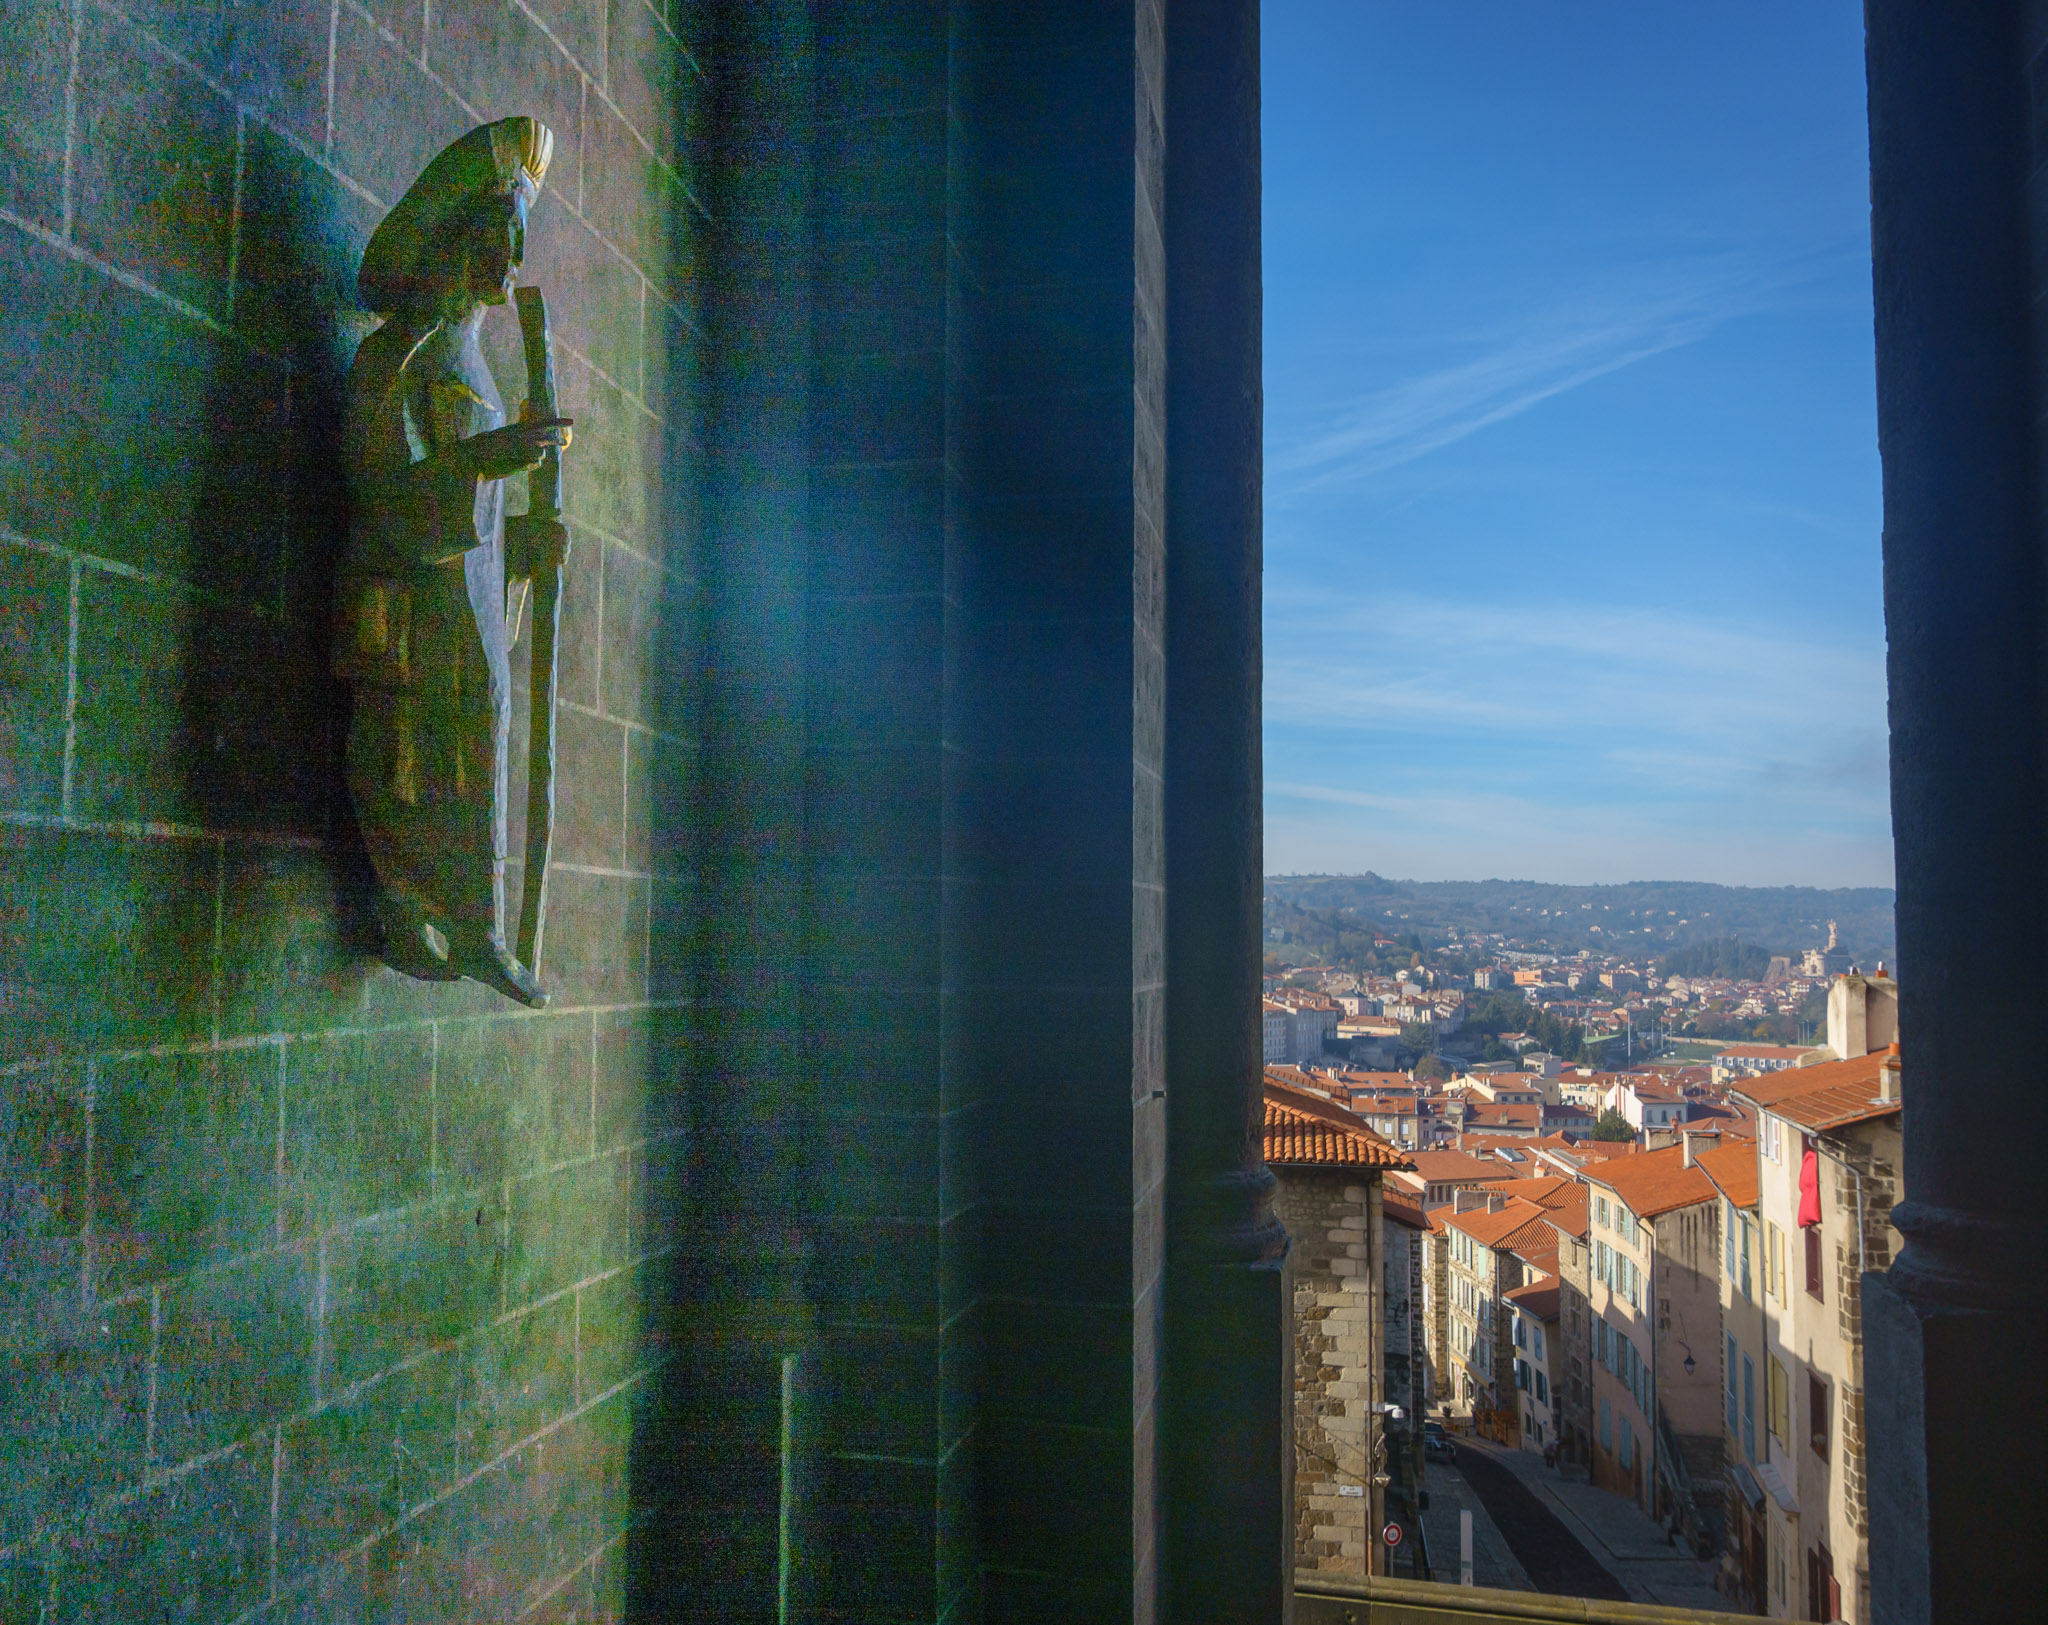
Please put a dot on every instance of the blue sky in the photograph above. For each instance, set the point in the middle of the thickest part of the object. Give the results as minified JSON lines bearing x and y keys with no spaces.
{"x":1572,"y":506}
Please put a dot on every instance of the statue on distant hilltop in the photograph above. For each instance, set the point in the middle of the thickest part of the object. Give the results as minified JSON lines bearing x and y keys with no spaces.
{"x":422,"y":629}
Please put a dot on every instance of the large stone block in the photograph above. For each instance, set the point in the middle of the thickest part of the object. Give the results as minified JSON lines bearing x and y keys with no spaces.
{"x":590,"y":791}
{"x":35,"y":60}
{"x":400,"y":1284}
{"x":105,"y":940}
{"x":368,"y":1457}
{"x":300,"y":238}
{"x":153,"y":166}
{"x":34,"y":619}
{"x":567,"y":1225}
{"x":137,"y":435}
{"x":511,"y":1097}
{"x":295,"y":951}
{"x":272,"y":57}
{"x":191,"y":714}
{"x":522,"y":1375}
{"x":651,"y":80}
{"x":185,"y":1162}
{"x":880,"y":1516}
{"x":389,"y":117}
{"x":358,"y":1126}
{"x":197,"y":1545}
{"x":595,"y":950}
{"x":234,"y":1352}
{"x":74,"y":1394}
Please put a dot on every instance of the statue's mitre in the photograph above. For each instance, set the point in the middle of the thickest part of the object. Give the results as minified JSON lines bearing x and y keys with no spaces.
{"x":506,"y":159}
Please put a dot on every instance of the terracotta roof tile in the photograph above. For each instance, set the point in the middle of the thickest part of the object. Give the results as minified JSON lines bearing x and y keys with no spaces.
{"x":1400,"y":1209}
{"x":1654,"y":1182}
{"x":1732,"y":1168}
{"x":1830,"y":1095}
{"x":1572,"y":1211}
{"x":1492,"y":1229}
{"x":1534,"y":1240}
{"x":1538,"y":1298}
{"x":1456,"y":1165}
{"x":1304,"y":1129}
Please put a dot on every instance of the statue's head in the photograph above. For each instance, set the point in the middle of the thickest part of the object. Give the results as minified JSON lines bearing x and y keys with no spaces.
{"x":457,"y":237}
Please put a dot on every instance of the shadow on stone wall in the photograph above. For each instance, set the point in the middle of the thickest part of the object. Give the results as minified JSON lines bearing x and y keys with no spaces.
{"x":271,"y":722}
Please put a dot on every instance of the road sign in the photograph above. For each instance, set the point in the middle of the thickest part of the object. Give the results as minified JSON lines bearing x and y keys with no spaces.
{"x":1391,"y":1534}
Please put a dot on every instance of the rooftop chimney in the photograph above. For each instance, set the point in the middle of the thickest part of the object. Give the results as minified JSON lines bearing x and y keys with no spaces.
{"x":1888,"y":1076}
{"x":1686,"y":1138}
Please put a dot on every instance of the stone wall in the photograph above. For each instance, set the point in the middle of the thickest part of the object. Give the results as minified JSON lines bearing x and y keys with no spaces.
{"x":1872,"y":1152}
{"x":1406,"y":1361}
{"x":1573,"y":1372}
{"x":820,"y":1227}
{"x":1337,"y":1336}
{"x":323,"y":1289}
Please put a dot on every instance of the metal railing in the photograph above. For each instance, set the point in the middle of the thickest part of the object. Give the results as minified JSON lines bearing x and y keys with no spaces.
{"x":1324,"y":1600}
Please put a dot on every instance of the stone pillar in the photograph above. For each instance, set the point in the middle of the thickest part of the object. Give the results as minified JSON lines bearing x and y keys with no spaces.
{"x":1226,"y":1419}
{"x":723,"y":1463}
{"x":1957,"y":136}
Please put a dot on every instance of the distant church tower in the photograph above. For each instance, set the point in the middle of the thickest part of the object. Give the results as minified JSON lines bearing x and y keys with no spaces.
{"x":1832,"y":960}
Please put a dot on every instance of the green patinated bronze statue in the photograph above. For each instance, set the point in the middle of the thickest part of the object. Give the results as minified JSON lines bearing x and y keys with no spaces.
{"x":425,"y":619}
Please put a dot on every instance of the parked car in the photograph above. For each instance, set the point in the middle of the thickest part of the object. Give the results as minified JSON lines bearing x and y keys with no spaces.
{"x":1436,"y":1444}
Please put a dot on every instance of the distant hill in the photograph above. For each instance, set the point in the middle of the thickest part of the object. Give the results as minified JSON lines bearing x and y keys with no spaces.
{"x":1730,"y":957}
{"x":1645,"y":919}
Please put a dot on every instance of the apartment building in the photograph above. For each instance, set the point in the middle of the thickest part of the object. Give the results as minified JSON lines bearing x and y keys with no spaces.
{"x":1534,"y":1309}
{"x":1329,"y":1165}
{"x":1655,"y":1305}
{"x":1828,"y":1162}
{"x":1746,"y":1531}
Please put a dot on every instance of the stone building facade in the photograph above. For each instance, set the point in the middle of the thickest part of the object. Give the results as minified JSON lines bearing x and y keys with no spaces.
{"x":1746,"y":1281}
{"x":1403,"y":1229}
{"x":1571,"y":1367}
{"x":1655,"y":1298}
{"x":1847,"y":1114}
{"x":1329,"y":1166}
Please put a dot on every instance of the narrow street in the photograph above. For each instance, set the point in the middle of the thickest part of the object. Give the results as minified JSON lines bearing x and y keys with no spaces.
{"x":1554,"y":1559}
{"x":1560,"y":1534}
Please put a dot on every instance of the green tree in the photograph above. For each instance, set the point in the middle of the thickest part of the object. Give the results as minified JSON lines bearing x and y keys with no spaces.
{"x":1432,"y":1067}
{"x":1612,"y":1126}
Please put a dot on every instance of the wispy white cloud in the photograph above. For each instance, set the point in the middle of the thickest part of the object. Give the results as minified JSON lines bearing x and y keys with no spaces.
{"x":1627,"y":318}
{"x":1706,"y":686}
{"x":1567,"y":739}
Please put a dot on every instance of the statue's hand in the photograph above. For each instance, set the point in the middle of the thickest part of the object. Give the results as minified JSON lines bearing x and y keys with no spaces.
{"x":535,"y":545}
{"x":513,"y":449}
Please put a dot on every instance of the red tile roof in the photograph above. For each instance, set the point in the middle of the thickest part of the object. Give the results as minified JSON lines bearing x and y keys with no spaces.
{"x":1400,"y":1209}
{"x":1435,"y":1165}
{"x":1732,"y":1168}
{"x":1306,"y":1130}
{"x":1572,"y":1211}
{"x":1493,"y":1229}
{"x":1602,"y":1150}
{"x":1831,"y":1095}
{"x":1501,"y":1115}
{"x":1654,"y":1182}
{"x":1538,"y":1298}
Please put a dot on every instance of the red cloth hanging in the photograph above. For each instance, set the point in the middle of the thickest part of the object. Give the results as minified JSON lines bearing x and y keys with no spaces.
{"x":1809,"y":1188}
